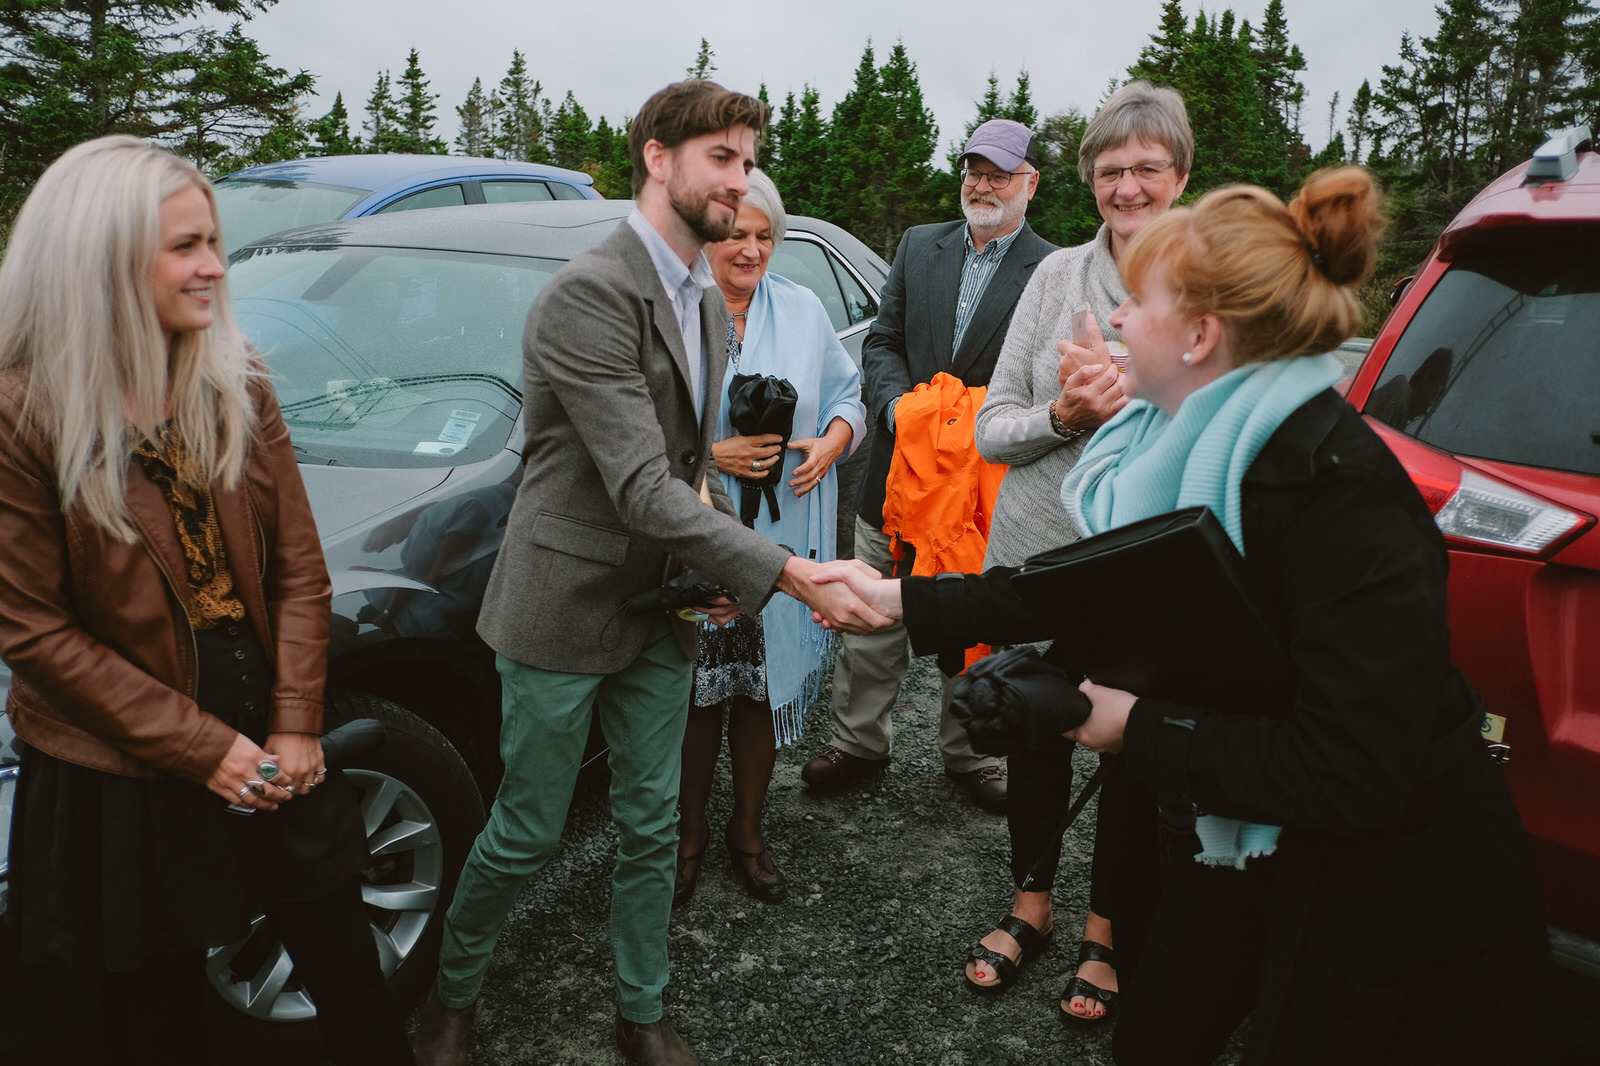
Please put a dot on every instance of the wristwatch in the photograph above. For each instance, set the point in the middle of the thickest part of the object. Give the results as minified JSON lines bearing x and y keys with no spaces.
{"x":1061,"y":429}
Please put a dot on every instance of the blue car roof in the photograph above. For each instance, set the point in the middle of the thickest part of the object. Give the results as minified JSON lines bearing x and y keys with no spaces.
{"x":381,"y":172}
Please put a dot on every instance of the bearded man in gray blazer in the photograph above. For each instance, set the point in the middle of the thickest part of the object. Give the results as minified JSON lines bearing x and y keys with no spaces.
{"x":623,"y":360}
{"x":945,"y":307}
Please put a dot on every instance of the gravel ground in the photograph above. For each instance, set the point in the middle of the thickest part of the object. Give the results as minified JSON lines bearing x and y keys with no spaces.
{"x":889,"y":885}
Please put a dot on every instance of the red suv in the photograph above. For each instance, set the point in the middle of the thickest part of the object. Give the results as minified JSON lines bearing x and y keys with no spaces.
{"x":1486,"y":383}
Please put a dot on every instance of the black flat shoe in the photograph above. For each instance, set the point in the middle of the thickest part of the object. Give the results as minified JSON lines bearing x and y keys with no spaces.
{"x":768,"y":883}
{"x":684,"y":880}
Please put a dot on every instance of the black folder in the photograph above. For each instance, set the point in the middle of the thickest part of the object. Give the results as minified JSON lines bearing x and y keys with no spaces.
{"x":1164,"y":607}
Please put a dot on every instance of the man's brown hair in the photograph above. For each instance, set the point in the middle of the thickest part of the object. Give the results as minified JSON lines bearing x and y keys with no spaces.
{"x":688,"y":109}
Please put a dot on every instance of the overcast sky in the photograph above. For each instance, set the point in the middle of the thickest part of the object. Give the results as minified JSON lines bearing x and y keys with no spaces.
{"x":613,"y":54}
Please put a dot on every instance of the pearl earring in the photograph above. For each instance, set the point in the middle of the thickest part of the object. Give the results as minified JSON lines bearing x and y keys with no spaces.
{"x":1187,"y":357}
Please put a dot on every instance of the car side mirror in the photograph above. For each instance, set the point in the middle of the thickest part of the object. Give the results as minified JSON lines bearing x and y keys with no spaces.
{"x":1400,"y":288}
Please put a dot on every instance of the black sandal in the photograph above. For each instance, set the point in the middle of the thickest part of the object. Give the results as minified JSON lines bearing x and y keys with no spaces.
{"x":1030,"y":942}
{"x":1090,"y":951}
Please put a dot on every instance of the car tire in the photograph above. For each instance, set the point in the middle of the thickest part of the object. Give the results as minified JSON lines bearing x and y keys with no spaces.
{"x":422,"y":811}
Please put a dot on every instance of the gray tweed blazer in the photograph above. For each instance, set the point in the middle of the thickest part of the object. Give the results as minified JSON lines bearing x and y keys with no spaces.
{"x":612,"y":463}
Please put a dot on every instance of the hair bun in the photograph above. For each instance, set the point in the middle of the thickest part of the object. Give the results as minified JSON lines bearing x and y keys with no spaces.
{"x":1339,"y":212}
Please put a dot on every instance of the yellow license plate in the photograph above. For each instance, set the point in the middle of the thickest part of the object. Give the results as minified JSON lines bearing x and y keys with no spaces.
{"x":1494,"y":728}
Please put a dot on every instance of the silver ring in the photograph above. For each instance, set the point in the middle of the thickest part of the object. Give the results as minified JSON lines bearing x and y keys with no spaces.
{"x":243,"y":791}
{"x":287,"y":788}
{"x":267,"y":769}
{"x":322,"y":771}
{"x":258,"y":787}
{"x":755,"y":464}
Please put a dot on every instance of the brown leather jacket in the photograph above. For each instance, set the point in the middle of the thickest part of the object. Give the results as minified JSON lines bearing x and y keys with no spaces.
{"x":95,"y":630}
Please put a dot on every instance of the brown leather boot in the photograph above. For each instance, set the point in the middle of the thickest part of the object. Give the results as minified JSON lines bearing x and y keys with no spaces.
{"x":443,"y":1033}
{"x":651,"y":1044}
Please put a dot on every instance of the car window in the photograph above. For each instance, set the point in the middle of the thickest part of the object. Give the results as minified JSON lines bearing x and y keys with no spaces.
{"x":391,"y":357}
{"x":442,"y":196}
{"x":806,"y":264}
{"x":859,"y":304}
{"x":515,"y":192}
{"x":563,"y":191}
{"x":1502,"y":360}
{"x":250,"y":209}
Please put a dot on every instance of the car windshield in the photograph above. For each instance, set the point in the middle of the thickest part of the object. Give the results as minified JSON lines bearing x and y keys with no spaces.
{"x":390,"y":357}
{"x":1502,"y":360}
{"x":250,"y":208}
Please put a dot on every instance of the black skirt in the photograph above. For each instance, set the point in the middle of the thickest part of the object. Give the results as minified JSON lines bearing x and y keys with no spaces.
{"x":107,"y":869}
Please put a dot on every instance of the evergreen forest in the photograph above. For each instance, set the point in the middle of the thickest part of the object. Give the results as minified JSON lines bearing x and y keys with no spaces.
{"x":1453,"y":110}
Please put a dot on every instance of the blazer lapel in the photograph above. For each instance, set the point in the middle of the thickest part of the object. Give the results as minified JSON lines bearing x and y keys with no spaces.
{"x":943,"y":286}
{"x":632,"y":251}
{"x":714,"y":334}
{"x":999,"y":297}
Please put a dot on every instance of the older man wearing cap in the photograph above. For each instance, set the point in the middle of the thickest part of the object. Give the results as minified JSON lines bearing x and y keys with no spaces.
{"x":945,"y":307}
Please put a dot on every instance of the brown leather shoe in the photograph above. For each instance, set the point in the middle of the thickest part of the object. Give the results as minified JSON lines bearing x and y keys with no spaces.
{"x":652,"y":1044}
{"x":985,"y":786}
{"x":834,"y":769}
{"x":443,"y":1033}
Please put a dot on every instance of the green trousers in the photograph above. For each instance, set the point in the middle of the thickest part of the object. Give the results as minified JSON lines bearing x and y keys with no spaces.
{"x":642,"y":709}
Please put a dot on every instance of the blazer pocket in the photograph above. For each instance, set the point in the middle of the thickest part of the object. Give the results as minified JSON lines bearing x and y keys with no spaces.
{"x":599,"y":544}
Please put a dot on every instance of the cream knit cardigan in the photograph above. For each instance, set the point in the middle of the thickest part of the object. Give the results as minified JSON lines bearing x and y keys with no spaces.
{"x":1013,"y":427}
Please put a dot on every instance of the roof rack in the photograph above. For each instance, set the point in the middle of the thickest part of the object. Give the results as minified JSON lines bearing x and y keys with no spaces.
{"x":1557,"y":158}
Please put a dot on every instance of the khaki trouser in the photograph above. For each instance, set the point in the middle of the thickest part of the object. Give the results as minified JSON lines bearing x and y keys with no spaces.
{"x":867,"y":676}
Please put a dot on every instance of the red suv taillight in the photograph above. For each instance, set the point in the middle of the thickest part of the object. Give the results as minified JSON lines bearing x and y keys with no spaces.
{"x":1479,"y":511}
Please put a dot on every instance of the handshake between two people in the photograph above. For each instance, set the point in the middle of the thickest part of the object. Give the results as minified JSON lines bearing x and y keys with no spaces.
{"x":1014,"y":698}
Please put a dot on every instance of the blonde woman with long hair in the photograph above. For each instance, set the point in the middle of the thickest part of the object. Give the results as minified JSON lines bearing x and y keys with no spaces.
{"x":164,"y":608}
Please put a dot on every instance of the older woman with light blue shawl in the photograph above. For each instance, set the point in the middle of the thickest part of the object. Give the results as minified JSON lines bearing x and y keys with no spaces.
{"x":767,"y":666}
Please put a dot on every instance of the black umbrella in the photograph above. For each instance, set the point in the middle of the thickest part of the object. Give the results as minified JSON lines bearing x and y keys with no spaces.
{"x":759,"y":404}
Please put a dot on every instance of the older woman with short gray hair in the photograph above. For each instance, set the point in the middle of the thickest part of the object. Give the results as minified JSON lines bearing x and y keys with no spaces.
{"x":1052,"y":387}
{"x":766,"y":666}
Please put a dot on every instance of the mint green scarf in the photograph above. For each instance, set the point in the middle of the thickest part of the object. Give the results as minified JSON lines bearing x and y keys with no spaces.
{"x":1143,"y":463}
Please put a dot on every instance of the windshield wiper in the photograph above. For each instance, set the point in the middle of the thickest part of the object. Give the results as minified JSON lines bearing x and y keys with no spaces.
{"x":313,"y":458}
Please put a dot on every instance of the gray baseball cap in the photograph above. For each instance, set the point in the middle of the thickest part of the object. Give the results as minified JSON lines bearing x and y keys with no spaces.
{"x":1004,"y":143}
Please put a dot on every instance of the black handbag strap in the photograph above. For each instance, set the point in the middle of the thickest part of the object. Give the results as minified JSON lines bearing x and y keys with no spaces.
{"x":1089,"y":789}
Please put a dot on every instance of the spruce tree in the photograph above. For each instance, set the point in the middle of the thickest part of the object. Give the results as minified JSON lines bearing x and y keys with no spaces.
{"x":613,"y":174}
{"x":383,"y":118}
{"x":477,"y":119}
{"x":571,"y":136}
{"x":881,"y":144}
{"x":521,"y":134}
{"x":417,"y":115}
{"x":71,"y":71}
{"x":702,"y":68}
{"x":332,"y":131}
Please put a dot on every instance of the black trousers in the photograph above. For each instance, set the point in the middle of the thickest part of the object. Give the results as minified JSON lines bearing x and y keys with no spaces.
{"x":153,"y":1012}
{"x":1038,"y":796}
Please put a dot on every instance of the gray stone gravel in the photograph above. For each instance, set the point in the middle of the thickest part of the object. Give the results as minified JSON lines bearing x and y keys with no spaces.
{"x":889,"y":886}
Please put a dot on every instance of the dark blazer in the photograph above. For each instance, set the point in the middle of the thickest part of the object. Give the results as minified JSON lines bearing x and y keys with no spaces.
{"x":612,"y":463}
{"x":1402,"y":886}
{"x":911,"y":339}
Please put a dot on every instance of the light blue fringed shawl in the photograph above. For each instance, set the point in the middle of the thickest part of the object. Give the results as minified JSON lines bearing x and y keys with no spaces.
{"x":1142,"y":463}
{"x":787,"y":334}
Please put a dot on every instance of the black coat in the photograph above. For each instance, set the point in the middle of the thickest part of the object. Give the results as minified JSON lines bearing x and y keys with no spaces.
{"x":912,"y":337}
{"x":1404,"y":901}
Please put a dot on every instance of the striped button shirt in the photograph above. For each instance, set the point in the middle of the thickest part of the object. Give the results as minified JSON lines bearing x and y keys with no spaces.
{"x":976,"y":271}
